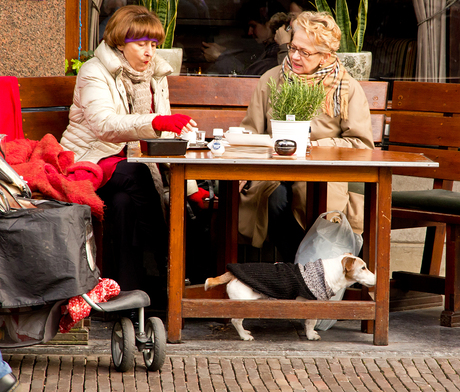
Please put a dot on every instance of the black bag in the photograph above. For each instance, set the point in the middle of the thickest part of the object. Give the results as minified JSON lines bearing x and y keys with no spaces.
{"x":46,"y":253}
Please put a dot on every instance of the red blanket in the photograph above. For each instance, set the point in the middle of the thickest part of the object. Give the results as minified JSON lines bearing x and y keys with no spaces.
{"x":49,"y":169}
{"x":10,"y":108}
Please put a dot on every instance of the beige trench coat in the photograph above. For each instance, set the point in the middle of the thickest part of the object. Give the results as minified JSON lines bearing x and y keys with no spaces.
{"x":356,"y":132}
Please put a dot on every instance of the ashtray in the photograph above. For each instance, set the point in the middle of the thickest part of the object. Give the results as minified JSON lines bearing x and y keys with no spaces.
{"x":285,"y":146}
{"x":163,"y":147}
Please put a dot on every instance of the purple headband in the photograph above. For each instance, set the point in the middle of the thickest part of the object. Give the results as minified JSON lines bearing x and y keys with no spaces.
{"x":140,"y":39}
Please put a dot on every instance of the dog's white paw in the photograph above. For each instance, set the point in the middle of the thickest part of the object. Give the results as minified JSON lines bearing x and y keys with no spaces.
{"x":246,"y":335}
{"x":313,"y":335}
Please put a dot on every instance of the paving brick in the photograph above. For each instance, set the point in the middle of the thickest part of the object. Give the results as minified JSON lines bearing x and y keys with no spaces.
{"x":65,"y":373}
{"x":326,"y":374}
{"x":364,"y":375}
{"x":62,"y":373}
{"x":103,"y":374}
{"x":154,"y":381}
{"x":241,"y":375}
{"x":349,"y":371}
{"x":452,"y":380}
{"x":377,"y":375}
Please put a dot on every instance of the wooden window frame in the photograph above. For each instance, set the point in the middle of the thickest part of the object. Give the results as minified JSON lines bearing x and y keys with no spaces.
{"x":72,"y":27}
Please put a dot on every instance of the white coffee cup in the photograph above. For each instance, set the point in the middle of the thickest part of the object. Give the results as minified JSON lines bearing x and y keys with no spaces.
{"x":189,"y":136}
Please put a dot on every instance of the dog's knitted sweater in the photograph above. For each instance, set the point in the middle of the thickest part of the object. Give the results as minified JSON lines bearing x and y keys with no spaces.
{"x":285,"y":280}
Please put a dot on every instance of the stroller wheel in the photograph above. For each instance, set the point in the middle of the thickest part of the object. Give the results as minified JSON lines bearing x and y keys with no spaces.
{"x":154,"y":358}
{"x":123,"y":344}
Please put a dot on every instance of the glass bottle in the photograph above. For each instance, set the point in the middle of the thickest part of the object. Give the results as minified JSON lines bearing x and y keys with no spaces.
{"x":216,"y":146}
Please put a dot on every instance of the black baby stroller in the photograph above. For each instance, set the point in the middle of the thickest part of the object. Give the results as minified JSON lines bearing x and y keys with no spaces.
{"x":47,"y":256}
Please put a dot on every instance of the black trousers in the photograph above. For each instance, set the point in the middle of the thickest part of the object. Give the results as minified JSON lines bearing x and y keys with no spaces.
{"x":283,"y":229}
{"x":135,"y":224}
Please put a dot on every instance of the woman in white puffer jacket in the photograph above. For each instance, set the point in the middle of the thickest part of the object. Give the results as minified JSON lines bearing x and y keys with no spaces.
{"x":121,"y":95}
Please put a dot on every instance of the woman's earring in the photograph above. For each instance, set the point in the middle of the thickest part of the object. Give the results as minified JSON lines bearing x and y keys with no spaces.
{"x":320,"y":65}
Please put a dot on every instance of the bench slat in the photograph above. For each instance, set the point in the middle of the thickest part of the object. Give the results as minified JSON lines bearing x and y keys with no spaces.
{"x":211,"y":91}
{"x":378,"y":127}
{"x":208,"y":119}
{"x":37,"y":124}
{"x":426,"y":97}
{"x":449,"y":163}
{"x":430,"y":130}
{"x":41,"y":92}
{"x":376,"y":94}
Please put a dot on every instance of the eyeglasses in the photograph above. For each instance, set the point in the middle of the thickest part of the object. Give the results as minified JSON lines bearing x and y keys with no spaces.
{"x":302,"y":53}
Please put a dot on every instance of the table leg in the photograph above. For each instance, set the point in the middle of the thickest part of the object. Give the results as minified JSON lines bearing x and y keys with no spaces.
{"x":382,"y":288}
{"x":176,"y":261}
{"x":450,"y":317}
{"x":228,"y":224}
{"x":369,"y":242}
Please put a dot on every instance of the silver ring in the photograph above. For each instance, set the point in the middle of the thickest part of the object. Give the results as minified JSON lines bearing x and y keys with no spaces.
{"x":288,"y":28}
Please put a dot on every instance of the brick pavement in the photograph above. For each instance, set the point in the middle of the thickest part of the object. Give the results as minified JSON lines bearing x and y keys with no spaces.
{"x":77,"y":373}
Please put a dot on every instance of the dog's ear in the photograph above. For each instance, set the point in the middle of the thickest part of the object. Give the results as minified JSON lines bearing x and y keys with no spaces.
{"x":347,"y":263}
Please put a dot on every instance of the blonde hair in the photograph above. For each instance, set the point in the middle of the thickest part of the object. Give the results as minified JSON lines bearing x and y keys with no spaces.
{"x":322,"y":28}
{"x":133,"y":21}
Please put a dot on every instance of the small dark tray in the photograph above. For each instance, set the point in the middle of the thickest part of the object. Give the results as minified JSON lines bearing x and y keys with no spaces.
{"x":163,"y":146}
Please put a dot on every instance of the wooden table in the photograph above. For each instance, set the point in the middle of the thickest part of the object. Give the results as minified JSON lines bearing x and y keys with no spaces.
{"x":333,"y":164}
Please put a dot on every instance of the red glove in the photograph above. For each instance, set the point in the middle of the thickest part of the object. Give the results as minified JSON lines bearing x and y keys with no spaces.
{"x":173,"y":123}
{"x":199,"y":196}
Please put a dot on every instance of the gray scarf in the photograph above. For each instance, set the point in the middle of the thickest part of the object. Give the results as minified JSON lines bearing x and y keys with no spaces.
{"x":313,"y":275}
{"x":137,"y":85}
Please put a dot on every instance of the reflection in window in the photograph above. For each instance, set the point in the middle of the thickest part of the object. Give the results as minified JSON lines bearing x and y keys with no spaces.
{"x":234,"y":37}
{"x":228,"y":37}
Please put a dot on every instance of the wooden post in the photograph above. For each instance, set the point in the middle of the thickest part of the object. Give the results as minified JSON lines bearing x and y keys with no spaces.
{"x":72,"y":27}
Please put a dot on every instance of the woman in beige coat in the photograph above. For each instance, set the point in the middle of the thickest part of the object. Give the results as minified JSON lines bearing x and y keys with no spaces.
{"x":278,"y":208}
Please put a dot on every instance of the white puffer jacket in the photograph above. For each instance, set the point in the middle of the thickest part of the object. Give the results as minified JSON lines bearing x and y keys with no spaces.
{"x":99,"y":121}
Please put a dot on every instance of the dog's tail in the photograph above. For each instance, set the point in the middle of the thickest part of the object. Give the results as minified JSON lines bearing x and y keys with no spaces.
{"x":222,"y":279}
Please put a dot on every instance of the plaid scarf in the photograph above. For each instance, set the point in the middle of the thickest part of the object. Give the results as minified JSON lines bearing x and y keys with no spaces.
{"x":137,"y":85}
{"x":336,"y":81}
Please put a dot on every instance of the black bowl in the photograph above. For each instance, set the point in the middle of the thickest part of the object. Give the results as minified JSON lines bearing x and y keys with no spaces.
{"x":163,"y":147}
{"x":285,"y":146}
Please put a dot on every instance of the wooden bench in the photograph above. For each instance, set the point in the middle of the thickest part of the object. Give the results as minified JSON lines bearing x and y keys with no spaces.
{"x":425,"y":118}
{"x":213,"y":102}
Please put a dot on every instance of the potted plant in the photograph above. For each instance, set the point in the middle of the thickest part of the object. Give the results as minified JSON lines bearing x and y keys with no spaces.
{"x":166,"y":11}
{"x":294,"y":104}
{"x":357,"y":62}
{"x":72,"y":70}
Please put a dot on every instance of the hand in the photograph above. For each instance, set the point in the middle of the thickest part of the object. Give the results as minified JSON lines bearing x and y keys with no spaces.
{"x":212,"y":51}
{"x":174,"y":123}
{"x":198,"y":197}
{"x":241,"y":185}
{"x":282,"y":36}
